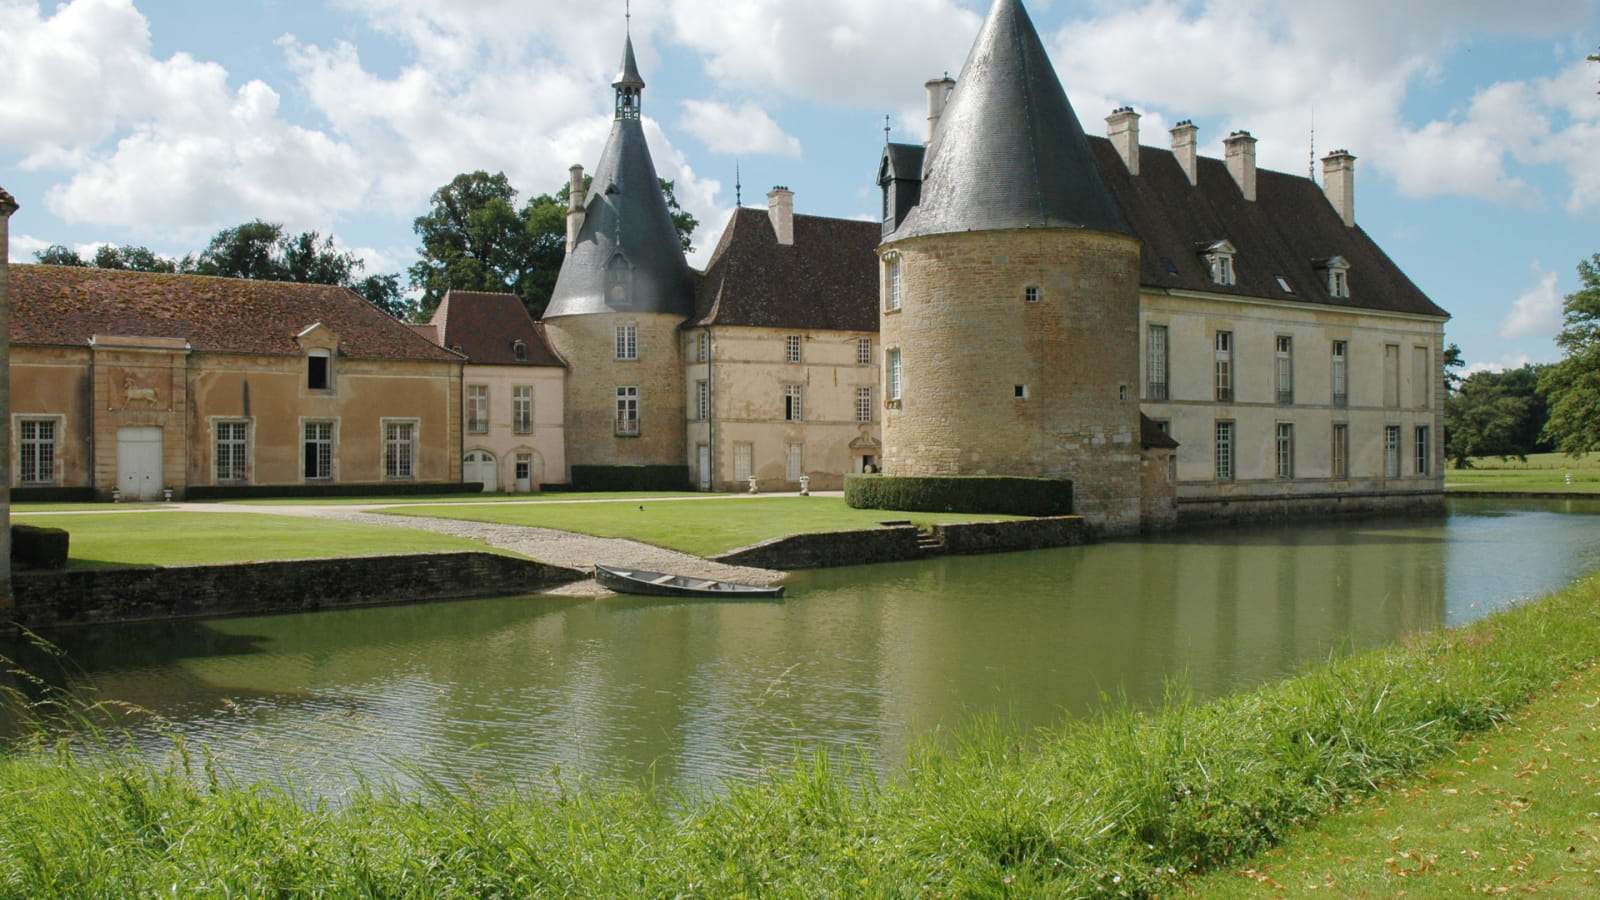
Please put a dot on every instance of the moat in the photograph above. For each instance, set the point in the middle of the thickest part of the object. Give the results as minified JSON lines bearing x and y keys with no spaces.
{"x":861,"y":661}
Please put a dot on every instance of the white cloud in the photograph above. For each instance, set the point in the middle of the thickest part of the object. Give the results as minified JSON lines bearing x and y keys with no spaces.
{"x":1505,"y":362}
{"x":739,"y":131}
{"x":1537,"y":312}
{"x":23,"y":246}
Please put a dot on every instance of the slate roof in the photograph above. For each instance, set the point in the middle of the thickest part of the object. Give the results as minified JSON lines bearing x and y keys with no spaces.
{"x":1288,"y":229}
{"x":1009,"y":152}
{"x":66,"y":305}
{"x":486,"y":326}
{"x":827,"y":279}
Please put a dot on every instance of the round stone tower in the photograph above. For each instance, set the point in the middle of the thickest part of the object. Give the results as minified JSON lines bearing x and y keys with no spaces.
{"x":623,"y":291}
{"x":1010,"y":308}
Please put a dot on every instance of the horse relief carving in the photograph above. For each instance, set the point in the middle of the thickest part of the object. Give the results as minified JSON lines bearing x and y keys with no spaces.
{"x":133,"y":392}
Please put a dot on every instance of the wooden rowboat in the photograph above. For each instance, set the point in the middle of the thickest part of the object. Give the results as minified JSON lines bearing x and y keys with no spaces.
{"x":659,"y":584}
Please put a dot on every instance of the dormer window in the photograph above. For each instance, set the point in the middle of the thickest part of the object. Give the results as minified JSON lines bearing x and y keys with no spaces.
{"x":519,"y":351}
{"x":1219,"y":262}
{"x":319,"y":370}
{"x":1337,"y":271}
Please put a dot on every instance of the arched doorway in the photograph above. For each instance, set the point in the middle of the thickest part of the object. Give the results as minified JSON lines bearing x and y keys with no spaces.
{"x":479,"y":465}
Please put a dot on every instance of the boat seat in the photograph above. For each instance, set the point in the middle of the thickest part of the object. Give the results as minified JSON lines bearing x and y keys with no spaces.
{"x":663,"y":579}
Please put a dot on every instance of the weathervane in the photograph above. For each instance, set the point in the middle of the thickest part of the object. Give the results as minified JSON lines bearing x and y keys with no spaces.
{"x":886,"y":129}
{"x":738,"y":189}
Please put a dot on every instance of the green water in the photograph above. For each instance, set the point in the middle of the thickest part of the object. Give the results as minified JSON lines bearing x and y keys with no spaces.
{"x":863,"y":660}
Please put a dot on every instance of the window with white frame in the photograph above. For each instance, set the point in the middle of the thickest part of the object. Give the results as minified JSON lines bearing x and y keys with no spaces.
{"x":863,"y":351}
{"x":1223,"y":344}
{"x":702,"y":399}
{"x":1155,"y":379}
{"x":319,"y":370}
{"x":863,"y":404}
{"x":1219,"y":262}
{"x":1391,"y":451}
{"x":627,"y":342}
{"x":743,"y":461}
{"x":891,"y":374}
{"x":1337,"y":270}
{"x":1224,"y":451}
{"x":1341,"y":373}
{"x":794,"y":403}
{"x":519,"y":351}
{"x":477,"y":409}
{"x":1424,"y":461}
{"x":36,"y":451}
{"x":1284,"y":360}
{"x":399,"y":449}
{"x":791,"y":348}
{"x":522,"y":408}
{"x":702,"y":347}
{"x":1339,"y":453}
{"x":1285,"y":450}
{"x":1031,"y":294}
{"x":628,"y":411}
{"x":794,"y":457}
{"x":318,"y":450}
{"x":232,"y":451}
{"x":894,"y":287}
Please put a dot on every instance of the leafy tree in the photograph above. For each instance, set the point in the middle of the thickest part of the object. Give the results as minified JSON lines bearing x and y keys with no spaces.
{"x":59,"y":255}
{"x":1452,"y":366}
{"x":1572,"y":386}
{"x":1494,"y":414}
{"x":475,"y":238}
{"x":265,"y":252}
{"x":135,"y":259}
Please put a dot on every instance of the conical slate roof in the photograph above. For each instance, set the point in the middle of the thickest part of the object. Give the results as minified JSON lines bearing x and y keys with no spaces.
{"x":628,"y":257}
{"x":628,"y":76}
{"x":1009,"y":152}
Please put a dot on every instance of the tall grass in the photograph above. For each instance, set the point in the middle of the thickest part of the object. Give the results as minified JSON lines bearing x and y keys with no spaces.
{"x":1120,"y":805}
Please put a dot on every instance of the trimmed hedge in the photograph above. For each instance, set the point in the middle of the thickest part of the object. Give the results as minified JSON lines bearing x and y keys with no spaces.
{"x":630,"y":478}
{"x":380,"y":489}
{"x":1000,"y":494}
{"x":33,"y":547}
{"x":52,"y":495}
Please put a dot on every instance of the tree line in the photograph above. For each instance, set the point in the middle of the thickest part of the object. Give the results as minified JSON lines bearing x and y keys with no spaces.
{"x":474,"y":237}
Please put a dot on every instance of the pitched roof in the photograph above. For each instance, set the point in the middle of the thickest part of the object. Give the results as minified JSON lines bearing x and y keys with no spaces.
{"x":1009,"y":152}
{"x":486,"y":327}
{"x":66,"y":305}
{"x":827,"y":279}
{"x":1286,"y":231}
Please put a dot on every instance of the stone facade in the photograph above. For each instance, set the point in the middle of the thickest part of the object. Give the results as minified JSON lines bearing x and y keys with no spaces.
{"x":598,"y":430}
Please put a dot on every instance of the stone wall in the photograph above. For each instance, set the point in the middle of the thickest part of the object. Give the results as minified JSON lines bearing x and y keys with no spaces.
{"x":1010,"y":535}
{"x":101,"y":596}
{"x":1251,"y":509}
{"x":894,"y":543}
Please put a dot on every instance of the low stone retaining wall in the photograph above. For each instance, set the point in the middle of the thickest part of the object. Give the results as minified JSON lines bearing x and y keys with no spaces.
{"x":97,"y":596}
{"x":1200,"y":511}
{"x":893,"y":543}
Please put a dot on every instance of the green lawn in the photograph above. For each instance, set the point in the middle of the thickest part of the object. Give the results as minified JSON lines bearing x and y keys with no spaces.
{"x":1514,"y":812}
{"x":190,"y":538}
{"x":1543,"y":472}
{"x":701,"y":527}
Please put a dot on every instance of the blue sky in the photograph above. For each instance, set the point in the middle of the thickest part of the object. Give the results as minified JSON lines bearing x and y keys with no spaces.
{"x":158,"y":122}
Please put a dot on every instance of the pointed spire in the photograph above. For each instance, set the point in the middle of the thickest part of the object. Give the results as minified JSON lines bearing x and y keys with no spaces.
{"x":629,"y":84}
{"x":1009,"y":151}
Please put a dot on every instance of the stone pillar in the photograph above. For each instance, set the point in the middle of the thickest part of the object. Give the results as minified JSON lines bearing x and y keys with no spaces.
{"x":1339,"y":182}
{"x":938,"y":95}
{"x":780,"y":209}
{"x":1242,"y":162}
{"x":1122,"y":127}
{"x":1185,"y":146}
{"x":8,"y":205}
{"x":577,"y":201}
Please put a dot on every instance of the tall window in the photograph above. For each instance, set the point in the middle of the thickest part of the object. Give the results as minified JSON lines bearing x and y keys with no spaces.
{"x":319,"y":370}
{"x":1391,"y":451}
{"x":627,"y":342}
{"x":892,"y":275}
{"x":1341,"y":376}
{"x":1224,"y":368}
{"x":1224,"y":448}
{"x":702,"y":347}
{"x":791,"y":348}
{"x":1424,"y":451}
{"x":1340,"y":452}
{"x":399,"y":449}
{"x":793,"y":403}
{"x":627,"y":411}
{"x":232,"y":451}
{"x":522,"y":408}
{"x":36,"y":451}
{"x":1285,"y":369}
{"x":863,"y":404}
{"x":1156,"y":363}
{"x":318,"y":450}
{"x":1285,"y":450}
{"x":891,"y":373}
{"x":1338,"y":283}
{"x":702,"y":399}
{"x":743,"y":454}
{"x":863,"y":351}
{"x":478,"y":409}
{"x":794,"y":456}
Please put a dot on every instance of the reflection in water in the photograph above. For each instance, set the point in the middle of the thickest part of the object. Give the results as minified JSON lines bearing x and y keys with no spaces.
{"x":861,"y":660}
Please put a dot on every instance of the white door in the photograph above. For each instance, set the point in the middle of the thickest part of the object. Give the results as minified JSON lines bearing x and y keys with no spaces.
{"x":139,"y":463}
{"x":479,"y":466}
{"x":524,"y":472}
{"x":705,"y":467}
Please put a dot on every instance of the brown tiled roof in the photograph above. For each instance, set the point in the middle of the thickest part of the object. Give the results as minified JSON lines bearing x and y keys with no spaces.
{"x":66,"y":305}
{"x":827,"y":279}
{"x":1285,"y":231}
{"x":486,"y":326}
{"x":428,"y":332}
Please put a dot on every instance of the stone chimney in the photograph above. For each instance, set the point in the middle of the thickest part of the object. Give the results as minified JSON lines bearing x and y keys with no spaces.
{"x":1186,"y":147}
{"x":1242,"y":162}
{"x":1122,"y":127}
{"x":577,"y":202}
{"x":938,"y":95}
{"x":780,"y":209}
{"x":1339,"y":183}
{"x":8,"y":205}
